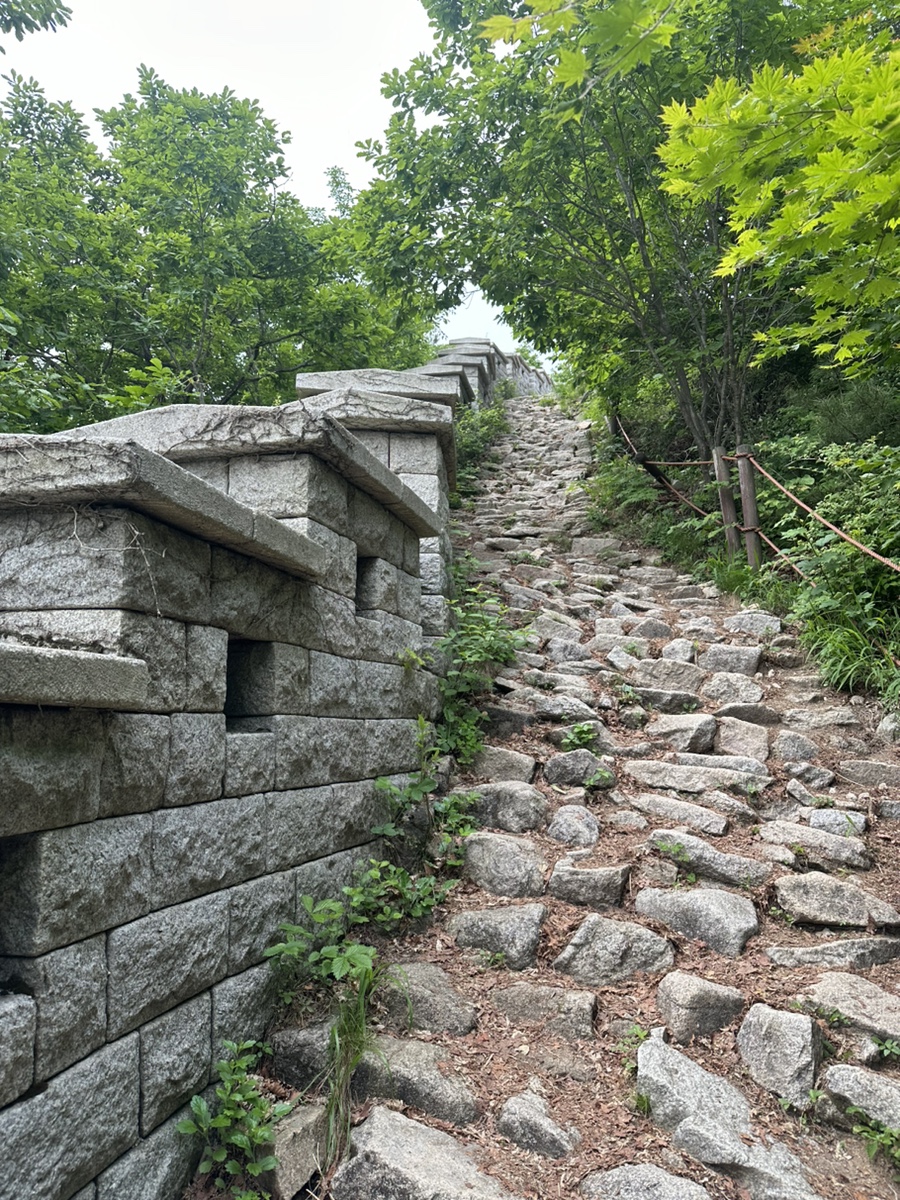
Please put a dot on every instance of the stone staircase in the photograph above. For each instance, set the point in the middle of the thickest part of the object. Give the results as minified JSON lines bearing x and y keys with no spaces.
{"x":666,"y":975}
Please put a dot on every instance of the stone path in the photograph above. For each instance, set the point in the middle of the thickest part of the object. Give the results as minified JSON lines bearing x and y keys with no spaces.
{"x":677,"y":920}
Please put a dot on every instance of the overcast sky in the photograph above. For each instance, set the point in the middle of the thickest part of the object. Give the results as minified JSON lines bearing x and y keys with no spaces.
{"x":314,"y":66}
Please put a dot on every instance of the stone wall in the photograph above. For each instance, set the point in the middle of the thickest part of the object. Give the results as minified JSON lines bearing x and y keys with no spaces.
{"x":203,"y":614}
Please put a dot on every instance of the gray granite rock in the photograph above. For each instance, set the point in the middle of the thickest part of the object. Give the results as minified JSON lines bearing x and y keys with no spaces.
{"x":669,"y":674}
{"x":504,"y":865}
{"x":742,"y":738}
{"x":758,"y":714}
{"x":640,"y":1182}
{"x":574,"y":768}
{"x":863,"y":1004}
{"x":794,"y":747}
{"x":758,"y":623}
{"x":497,"y":764}
{"x":603,"y":952}
{"x":720,"y":919}
{"x":738,"y":660}
{"x":595,"y":887}
{"x":299,"y":1145}
{"x":513,"y":932}
{"x":731,"y":687}
{"x":696,"y":855}
{"x":871,"y":773}
{"x":395,"y":1158}
{"x":573,"y":825}
{"x":876,"y":1095}
{"x":818,"y":899}
{"x":684,"y":778}
{"x":406,"y":1070}
{"x":301,"y":1055}
{"x":695,"y":1007}
{"x":685,"y":731}
{"x":561,"y":1012}
{"x":563,"y":708}
{"x":682,"y":649}
{"x":679,"y":812}
{"x":782,"y":1051}
{"x":18,"y":1020}
{"x":525,"y":1120}
{"x":842,"y":822}
{"x":511,"y":805}
{"x":857,"y":953}
{"x":424,"y":998}
{"x":816,"y":777}
{"x":820,"y":848}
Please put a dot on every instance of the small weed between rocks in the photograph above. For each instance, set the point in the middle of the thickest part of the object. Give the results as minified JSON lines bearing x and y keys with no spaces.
{"x":877,"y":1137}
{"x":237,"y":1141}
{"x":580,"y":736}
{"x":888,"y":1048}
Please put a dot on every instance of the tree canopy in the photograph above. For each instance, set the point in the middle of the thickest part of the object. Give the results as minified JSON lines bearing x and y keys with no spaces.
{"x":28,"y":16}
{"x":174,"y":265}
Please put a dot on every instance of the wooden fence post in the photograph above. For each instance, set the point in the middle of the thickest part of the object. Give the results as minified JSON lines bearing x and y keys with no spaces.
{"x":726,"y":501}
{"x":748,"y":507}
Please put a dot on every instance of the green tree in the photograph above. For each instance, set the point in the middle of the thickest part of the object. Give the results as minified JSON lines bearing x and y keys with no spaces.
{"x":175,"y":266}
{"x":809,"y":163}
{"x":28,"y":16}
{"x":563,"y":221}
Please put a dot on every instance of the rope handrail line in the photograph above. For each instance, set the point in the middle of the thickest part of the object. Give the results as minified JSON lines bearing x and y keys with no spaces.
{"x":684,"y":499}
{"x":694,"y":462}
{"x":828,"y":525}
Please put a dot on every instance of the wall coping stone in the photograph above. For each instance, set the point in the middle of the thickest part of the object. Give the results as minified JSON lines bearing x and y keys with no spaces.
{"x":71,"y":678}
{"x":404,"y":384}
{"x":60,"y":470}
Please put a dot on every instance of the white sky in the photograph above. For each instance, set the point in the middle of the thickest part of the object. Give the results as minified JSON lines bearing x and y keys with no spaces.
{"x":314,"y":66}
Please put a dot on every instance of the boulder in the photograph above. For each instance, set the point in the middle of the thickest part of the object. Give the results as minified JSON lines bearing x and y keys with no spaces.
{"x":682,"y":649}
{"x":870,"y":773}
{"x":842,"y":822}
{"x":504,"y":865}
{"x":424,"y":998}
{"x":395,"y":1158}
{"x":496,"y":763}
{"x":820,"y":848}
{"x":575,"y":768}
{"x":513,"y":932}
{"x":695,"y":1007}
{"x":679,"y":812}
{"x":603,"y":952}
{"x":720,"y":919}
{"x":511,"y":805}
{"x":750,"y":620}
{"x":782,"y":1051}
{"x":524,"y":1119}
{"x":858,"y":953}
{"x":683,"y":778}
{"x":758,"y":714}
{"x":731,"y":687}
{"x":562,"y":708}
{"x":594,"y":887}
{"x":574,"y":825}
{"x":862,"y":1004}
{"x":790,"y":746}
{"x":737,"y":660}
{"x":685,"y":731}
{"x":640,"y":1182}
{"x":301,"y":1055}
{"x":878,"y":1096}
{"x":299,"y":1145}
{"x":694,"y":854}
{"x":817,"y":899}
{"x":406,"y":1070}
{"x":741,"y":738}
{"x":668,"y":674}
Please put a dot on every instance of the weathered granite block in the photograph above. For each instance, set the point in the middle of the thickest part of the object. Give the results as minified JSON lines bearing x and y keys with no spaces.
{"x":290,"y":485}
{"x":69,"y":988}
{"x":206,"y":656}
{"x":49,"y":768}
{"x":429,"y":489}
{"x":242,"y":1006}
{"x":315,"y":822}
{"x":256,"y":910}
{"x":416,"y":454}
{"x":56,"y":1142}
{"x":411,"y":552}
{"x":251,"y":600}
{"x":266,"y":678}
{"x":382,"y":637}
{"x":135,"y":763}
{"x":18,"y":1022}
{"x":384,"y":688}
{"x":435,"y":616}
{"x":101,"y":557}
{"x":175,"y":1059}
{"x":249,"y":763}
{"x":391,"y":747}
{"x":409,"y":596}
{"x":62,"y":885}
{"x":376,"y":443}
{"x":158,"y":642}
{"x":435,"y":575}
{"x":204,"y":847}
{"x":316,"y":750}
{"x":323,"y":878}
{"x":164,"y":958}
{"x":213,"y":471}
{"x":330,"y":623}
{"x":376,"y":532}
{"x":376,"y":585}
{"x":156,"y":1168}
{"x":196,"y":758}
{"x":333,"y":686}
{"x":341,"y":575}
